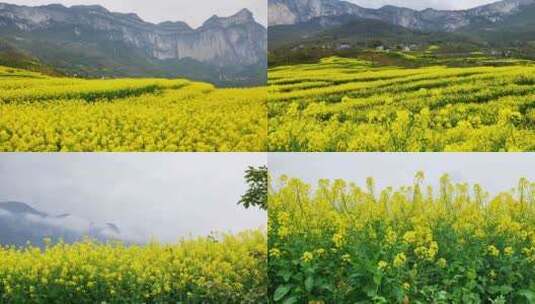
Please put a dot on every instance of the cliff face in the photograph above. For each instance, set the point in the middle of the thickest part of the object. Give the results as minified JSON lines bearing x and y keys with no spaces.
{"x":221,"y":41}
{"x":284,"y":12}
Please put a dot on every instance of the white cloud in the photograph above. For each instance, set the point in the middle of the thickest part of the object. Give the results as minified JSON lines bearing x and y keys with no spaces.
{"x":74,"y":223}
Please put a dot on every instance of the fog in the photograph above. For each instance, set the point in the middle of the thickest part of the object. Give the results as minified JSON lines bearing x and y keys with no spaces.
{"x":162,"y":196}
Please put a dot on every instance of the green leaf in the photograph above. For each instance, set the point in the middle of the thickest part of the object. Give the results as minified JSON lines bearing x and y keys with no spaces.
{"x":286,"y":275}
{"x":528,"y":294}
{"x":377,"y":278}
{"x":290,"y":300}
{"x":370,"y":290}
{"x":309,"y":283}
{"x":281,"y":292}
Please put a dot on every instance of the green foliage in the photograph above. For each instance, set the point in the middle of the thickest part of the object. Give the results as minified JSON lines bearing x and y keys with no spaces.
{"x":58,"y":52}
{"x":256,"y":195}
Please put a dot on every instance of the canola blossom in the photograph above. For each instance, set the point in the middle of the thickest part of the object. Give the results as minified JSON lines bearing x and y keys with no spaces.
{"x":341,"y":243}
{"x":350,"y":105}
{"x":42,"y":113}
{"x":204,"y":270}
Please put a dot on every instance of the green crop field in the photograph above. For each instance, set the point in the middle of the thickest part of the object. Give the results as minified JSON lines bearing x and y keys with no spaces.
{"x":351,"y":105}
{"x":42,"y":113}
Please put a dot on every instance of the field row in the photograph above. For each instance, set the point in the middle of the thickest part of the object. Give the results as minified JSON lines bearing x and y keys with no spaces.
{"x":425,"y":109}
{"x":56,"y":114}
{"x":335,"y":105}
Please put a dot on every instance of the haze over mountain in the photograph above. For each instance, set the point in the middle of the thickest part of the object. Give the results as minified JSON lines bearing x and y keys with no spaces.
{"x":149,"y":196}
{"x":92,"y":41}
{"x":20,"y":223}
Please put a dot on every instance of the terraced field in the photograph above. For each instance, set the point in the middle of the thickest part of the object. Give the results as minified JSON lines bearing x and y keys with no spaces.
{"x":41,"y":113}
{"x":349,"y":105}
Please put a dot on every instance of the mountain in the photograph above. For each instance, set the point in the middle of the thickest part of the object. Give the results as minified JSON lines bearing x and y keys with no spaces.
{"x":284,"y":12}
{"x":512,"y":29}
{"x":348,"y":29}
{"x":305,"y":30}
{"x":20,"y":223}
{"x":94,"y":42}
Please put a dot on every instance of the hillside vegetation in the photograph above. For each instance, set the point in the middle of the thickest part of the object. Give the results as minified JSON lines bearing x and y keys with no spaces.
{"x":353,"y":105}
{"x":43,"y":113}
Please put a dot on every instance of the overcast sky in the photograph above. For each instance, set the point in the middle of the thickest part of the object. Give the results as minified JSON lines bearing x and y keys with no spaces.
{"x":423,"y":4}
{"x":167,"y":196}
{"x":193,"y":12}
{"x":496,"y":172}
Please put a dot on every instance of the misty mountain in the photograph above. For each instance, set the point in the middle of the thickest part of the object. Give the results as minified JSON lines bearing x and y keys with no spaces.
{"x":92,"y":41}
{"x":284,"y":12}
{"x":20,"y":223}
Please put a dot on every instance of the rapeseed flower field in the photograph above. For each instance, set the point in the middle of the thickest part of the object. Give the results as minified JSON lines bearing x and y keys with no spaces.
{"x":231,"y":269}
{"x":342,"y":104}
{"x":337,"y":242}
{"x":39,"y":113}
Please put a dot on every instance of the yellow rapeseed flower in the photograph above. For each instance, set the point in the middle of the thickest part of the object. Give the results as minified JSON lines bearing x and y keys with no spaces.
{"x":493,"y":251}
{"x":399,"y":260}
{"x":307,"y":257}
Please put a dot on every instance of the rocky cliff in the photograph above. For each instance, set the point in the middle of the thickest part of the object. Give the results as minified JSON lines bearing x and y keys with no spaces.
{"x":285,"y":12}
{"x":90,"y":32}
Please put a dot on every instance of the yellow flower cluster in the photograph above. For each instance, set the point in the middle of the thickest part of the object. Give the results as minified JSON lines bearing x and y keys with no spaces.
{"x":40,"y":113}
{"x":229,"y":270}
{"x":307,"y":257}
{"x":382,"y":265}
{"x":349,"y":105}
{"x":399,"y":260}
{"x":493,"y":251}
{"x":427,"y":253}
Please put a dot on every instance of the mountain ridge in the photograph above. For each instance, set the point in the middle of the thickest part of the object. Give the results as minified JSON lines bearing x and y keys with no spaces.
{"x":133,"y":16}
{"x":20,"y":223}
{"x":284,"y":12}
{"x":500,"y":29}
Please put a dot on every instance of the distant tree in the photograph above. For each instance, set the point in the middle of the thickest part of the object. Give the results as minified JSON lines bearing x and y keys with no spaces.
{"x":256,"y":195}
